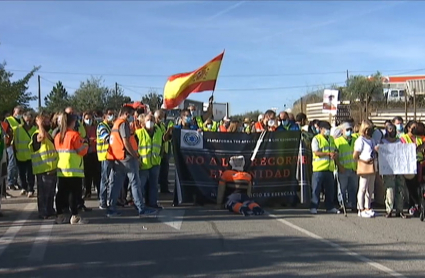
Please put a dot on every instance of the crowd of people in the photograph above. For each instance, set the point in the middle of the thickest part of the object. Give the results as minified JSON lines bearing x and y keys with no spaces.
{"x":124,"y":157}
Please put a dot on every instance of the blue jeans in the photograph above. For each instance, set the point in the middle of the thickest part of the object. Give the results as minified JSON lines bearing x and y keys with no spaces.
{"x":326,"y":180}
{"x":12,"y":168}
{"x":152,"y":175}
{"x":26,"y":176}
{"x":120,"y":170}
{"x":105,"y":182}
{"x":349,"y":183}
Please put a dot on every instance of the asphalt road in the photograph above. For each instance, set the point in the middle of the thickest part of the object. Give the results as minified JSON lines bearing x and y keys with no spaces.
{"x":205,"y":242}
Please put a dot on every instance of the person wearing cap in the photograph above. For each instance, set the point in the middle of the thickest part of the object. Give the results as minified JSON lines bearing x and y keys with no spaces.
{"x":347,"y":176}
{"x":246,"y":126}
{"x":200,"y":119}
{"x":225,"y":125}
{"x":324,"y":154}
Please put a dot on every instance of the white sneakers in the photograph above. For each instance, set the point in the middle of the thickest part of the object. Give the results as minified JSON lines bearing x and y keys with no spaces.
{"x":75,"y":219}
{"x":367,"y":213}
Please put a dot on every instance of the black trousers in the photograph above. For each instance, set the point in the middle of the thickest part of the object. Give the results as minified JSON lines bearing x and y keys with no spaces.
{"x":26,"y":176}
{"x":92,"y":170}
{"x":163,"y":173}
{"x":69,"y":193}
{"x":413,"y":188}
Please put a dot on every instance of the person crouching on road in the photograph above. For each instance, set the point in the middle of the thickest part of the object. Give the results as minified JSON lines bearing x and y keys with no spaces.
{"x":324,"y":154}
{"x":44,"y":166}
{"x":150,"y":150}
{"x":71,"y":149}
{"x":123,"y":152}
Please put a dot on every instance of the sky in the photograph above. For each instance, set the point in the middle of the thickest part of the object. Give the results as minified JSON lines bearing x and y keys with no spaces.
{"x":276,"y":51}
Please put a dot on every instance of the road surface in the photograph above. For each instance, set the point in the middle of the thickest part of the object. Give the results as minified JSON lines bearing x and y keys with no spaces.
{"x":205,"y":242}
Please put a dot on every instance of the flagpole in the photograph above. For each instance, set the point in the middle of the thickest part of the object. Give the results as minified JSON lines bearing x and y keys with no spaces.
{"x":212,"y":93}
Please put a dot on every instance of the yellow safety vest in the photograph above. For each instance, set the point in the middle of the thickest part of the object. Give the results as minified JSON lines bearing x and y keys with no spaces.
{"x":321,"y":164}
{"x":199,"y":121}
{"x":70,"y":164}
{"x":13,"y":122}
{"x":164,"y":129}
{"x":406,"y":137}
{"x":345,"y":152}
{"x":101,"y":145}
{"x":81,"y":130}
{"x":22,"y":139}
{"x":46,"y":158}
{"x":149,"y":148}
{"x":213,"y":128}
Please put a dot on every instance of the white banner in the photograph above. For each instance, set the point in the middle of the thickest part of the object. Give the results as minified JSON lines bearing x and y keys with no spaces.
{"x":397,"y":159}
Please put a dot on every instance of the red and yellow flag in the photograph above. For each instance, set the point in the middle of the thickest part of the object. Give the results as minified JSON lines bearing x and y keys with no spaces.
{"x":180,"y":86}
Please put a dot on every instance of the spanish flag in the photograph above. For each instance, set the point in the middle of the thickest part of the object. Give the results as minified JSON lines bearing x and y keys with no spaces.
{"x":180,"y":86}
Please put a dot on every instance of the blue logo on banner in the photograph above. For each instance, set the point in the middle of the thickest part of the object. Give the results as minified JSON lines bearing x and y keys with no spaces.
{"x":192,"y":138}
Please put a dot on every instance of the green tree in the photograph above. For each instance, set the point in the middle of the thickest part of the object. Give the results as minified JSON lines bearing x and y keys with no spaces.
{"x":91,"y":95}
{"x":153,"y":99}
{"x":115,"y":98}
{"x":365,"y":89}
{"x":253,"y":115}
{"x":57,"y":99}
{"x":14,"y":93}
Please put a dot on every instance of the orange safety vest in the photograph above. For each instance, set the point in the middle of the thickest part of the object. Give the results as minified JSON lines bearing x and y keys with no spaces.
{"x":258,"y":127}
{"x":116,"y":150}
{"x":222,"y":128}
{"x":235,"y":176}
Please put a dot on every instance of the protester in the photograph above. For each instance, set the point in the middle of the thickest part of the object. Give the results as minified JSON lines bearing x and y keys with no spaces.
{"x":268,"y":122}
{"x":92,"y":167}
{"x":226,"y":123}
{"x":103,"y":133}
{"x":347,"y":176}
{"x":394,"y":193}
{"x":398,"y":122}
{"x":12,"y":169}
{"x":126,"y":162}
{"x":165,"y":162}
{"x":71,"y":148}
{"x":324,"y":154}
{"x":411,"y":136}
{"x":285,"y":123}
{"x":210,"y":126}
{"x":365,"y":155}
{"x":22,"y":137}
{"x":44,"y":159}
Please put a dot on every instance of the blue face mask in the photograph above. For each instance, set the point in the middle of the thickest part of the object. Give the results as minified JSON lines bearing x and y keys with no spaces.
{"x":348,"y":133}
{"x":130,"y":119}
{"x":399,"y":127}
{"x":317,"y":130}
{"x":110,"y":118}
{"x":327,"y":132}
{"x":188,"y":119}
{"x":285,"y":122}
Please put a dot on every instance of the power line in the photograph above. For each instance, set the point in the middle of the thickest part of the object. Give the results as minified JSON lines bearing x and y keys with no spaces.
{"x":54,"y":83}
{"x":250,"y":89}
{"x":221,"y":76}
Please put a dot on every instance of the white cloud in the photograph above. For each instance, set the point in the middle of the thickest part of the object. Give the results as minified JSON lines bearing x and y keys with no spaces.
{"x":225,"y":11}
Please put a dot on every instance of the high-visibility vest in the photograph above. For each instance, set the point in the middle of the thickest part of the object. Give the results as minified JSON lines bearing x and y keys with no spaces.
{"x":22,"y":139}
{"x":408,"y":140}
{"x":345,"y":152}
{"x":325,"y":163}
{"x":164,"y":129}
{"x":222,"y":128}
{"x":149,"y":148}
{"x":102,"y":145}
{"x":213,"y":127}
{"x":81,"y":130}
{"x":2,"y":143}
{"x":116,"y":150}
{"x":70,"y":160}
{"x":258,"y":127}
{"x":13,"y":122}
{"x":199,"y":121}
{"x":46,"y":158}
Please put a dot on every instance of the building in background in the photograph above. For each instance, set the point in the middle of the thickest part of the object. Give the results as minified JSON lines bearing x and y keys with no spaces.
{"x":220,"y":109}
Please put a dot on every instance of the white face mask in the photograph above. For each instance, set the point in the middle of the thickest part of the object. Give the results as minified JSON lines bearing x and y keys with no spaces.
{"x":88,"y":121}
{"x":279,"y":123}
{"x":18,"y":117}
{"x":149,"y":125}
{"x":209,"y":126}
{"x":271,"y":123}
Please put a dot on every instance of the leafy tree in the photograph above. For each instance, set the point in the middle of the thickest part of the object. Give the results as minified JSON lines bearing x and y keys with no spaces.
{"x":253,"y":115}
{"x":58,"y":99}
{"x":91,"y":95}
{"x":115,"y":98}
{"x":14,"y":93}
{"x":364,"y":89}
{"x":153,"y":99}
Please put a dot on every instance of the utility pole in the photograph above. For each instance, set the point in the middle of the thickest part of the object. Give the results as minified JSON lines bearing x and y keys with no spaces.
{"x":39,"y":94}
{"x":302,"y":105}
{"x":347,"y":78}
{"x":116,"y":88}
{"x":414,"y":104}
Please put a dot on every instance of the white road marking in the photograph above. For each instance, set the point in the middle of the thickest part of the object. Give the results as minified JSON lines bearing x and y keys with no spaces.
{"x":40,"y":244}
{"x":16,"y":226}
{"x":338,"y":247}
{"x":172,"y":217}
